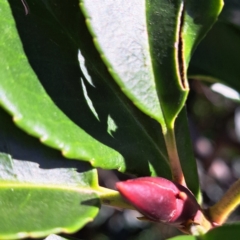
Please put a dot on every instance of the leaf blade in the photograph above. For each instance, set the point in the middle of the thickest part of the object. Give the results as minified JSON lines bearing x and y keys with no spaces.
{"x":127,"y":58}
{"x":29,"y":193}
{"x":43,"y":119}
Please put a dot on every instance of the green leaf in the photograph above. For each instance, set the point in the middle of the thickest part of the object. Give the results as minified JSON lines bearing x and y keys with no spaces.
{"x":120,"y":33}
{"x":22,"y":95}
{"x":199,"y":16}
{"x":58,"y":200}
{"x":141,"y":43}
{"x":225,"y":232}
{"x":218,"y":60}
{"x":42,"y":165}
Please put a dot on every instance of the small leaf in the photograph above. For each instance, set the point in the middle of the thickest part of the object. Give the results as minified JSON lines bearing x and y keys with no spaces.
{"x":36,"y":202}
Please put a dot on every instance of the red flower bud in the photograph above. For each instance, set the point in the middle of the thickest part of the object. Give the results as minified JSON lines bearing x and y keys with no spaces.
{"x":159,"y":199}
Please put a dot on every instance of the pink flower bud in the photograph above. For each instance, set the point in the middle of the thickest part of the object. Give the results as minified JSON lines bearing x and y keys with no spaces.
{"x":159,"y":199}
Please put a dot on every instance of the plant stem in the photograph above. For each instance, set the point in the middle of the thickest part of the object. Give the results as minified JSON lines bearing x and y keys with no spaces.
{"x":219,"y":212}
{"x":177,"y":173}
{"x":112,"y":198}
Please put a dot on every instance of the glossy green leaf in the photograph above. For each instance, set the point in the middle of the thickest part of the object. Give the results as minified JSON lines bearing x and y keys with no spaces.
{"x":218,"y":60}
{"x":36,"y":202}
{"x":22,"y":95}
{"x":120,"y":33}
{"x":141,"y":43}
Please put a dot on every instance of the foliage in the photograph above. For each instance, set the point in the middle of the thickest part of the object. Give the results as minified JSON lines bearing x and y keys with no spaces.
{"x":104,"y":83}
